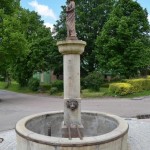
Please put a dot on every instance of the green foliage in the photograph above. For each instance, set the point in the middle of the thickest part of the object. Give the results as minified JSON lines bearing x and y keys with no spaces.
{"x":2,"y":78}
{"x":123,"y":44}
{"x":139,"y":84}
{"x":93,"y":81}
{"x":120,"y":88}
{"x":25,"y":43}
{"x":12,"y":40}
{"x":86,"y":93}
{"x":58,"y":84}
{"x":56,"y":87}
{"x":146,"y":84}
{"x":15,"y":87}
{"x":34,"y":84}
{"x":131,"y":86}
{"x":9,"y":6}
{"x":89,"y":26}
{"x":54,"y":90}
{"x":38,"y":56}
{"x":139,"y":94}
{"x":45,"y":87}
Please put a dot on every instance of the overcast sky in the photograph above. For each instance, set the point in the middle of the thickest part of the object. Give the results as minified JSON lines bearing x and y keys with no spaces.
{"x":50,"y":9}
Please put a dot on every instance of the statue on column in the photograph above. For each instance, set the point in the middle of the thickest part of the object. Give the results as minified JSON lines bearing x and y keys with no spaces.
{"x":70,"y":21}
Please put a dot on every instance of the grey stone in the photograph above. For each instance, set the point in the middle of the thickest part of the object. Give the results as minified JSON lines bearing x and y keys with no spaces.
{"x":138,"y":136}
{"x":100,"y":129}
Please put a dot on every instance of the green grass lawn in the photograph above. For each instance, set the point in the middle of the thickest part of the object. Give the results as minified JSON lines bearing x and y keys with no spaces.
{"x":86,"y":93}
{"x":15,"y":87}
{"x":139,"y":94}
{"x":104,"y":92}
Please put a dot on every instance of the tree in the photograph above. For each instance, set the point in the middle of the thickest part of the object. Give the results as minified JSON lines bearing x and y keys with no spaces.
{"x":25,"y":43}
{"x":41,"y":51}
{"x":122,"y":46}
{"x":12,"y":40}
{"x":90,"y":18}
{"x":10,"y":6}
{"x":40,"y":45}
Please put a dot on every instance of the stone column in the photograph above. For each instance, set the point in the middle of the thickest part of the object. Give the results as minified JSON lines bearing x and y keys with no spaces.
{"x":71,"y":50}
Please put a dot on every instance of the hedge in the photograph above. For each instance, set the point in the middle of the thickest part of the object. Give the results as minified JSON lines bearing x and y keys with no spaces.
{"x":120,"y":88}
{"x":130,"y":86}
{"x":140,"y":84}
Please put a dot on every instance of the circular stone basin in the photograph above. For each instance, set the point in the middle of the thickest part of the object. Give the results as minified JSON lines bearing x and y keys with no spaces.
{"x":101,"y":132}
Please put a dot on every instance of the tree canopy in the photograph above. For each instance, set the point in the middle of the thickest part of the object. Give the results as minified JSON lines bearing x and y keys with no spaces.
{"x":40,"y":44}
{"x":12,"y":40}
{"x":25,"y":42}
{"x":123,"y":45}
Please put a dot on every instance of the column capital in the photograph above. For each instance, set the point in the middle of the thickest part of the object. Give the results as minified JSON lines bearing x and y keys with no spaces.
{"x":71,"y":47}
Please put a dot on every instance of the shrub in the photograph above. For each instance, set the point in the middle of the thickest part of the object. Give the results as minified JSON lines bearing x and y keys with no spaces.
{"x":53,"y":90}
{"x":146,"y":84}
{"x":58,"y":84}
{"x":33,"y":84}
{"x":140,"y":84}
{"x":45,"y":87}
{"x":93,"y":81}
{"x":120,"y":88}
{"x":137,"y":84}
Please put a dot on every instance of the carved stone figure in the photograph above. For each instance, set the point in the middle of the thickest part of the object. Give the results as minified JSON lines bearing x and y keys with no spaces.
{"x":72,"y":104}
{"x":70,"y":21}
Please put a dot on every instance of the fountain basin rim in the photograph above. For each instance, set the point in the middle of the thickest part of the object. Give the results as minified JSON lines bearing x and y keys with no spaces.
{"x":117,"y":133}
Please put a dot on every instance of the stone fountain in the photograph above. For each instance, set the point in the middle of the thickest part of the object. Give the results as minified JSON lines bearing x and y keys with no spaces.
{"x":71,"y":129}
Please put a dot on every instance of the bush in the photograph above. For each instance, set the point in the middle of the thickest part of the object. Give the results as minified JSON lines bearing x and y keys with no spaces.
{"x":33,"y":84}
{"x":58,"y":84}
{"x":146,"y":84}
{"x":93,"y":81}
{"x":45,"y":87}
{"x":120,"y":88}
{"x":53,"y":90}
{"x":137,"y":84}
{"x":140,"y":84}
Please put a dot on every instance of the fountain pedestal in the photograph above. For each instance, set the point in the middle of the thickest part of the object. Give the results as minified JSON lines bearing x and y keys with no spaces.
{"x":71,"y":50}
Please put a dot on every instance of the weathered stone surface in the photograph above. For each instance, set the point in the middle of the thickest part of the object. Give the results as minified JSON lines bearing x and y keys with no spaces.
{"x":71,"y":46}
{"x":70,"y":20}
{"x":113,"y":138}
{"x":138,"y":136}
{"x":71,"y":50}
{"x":72,"y":131}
